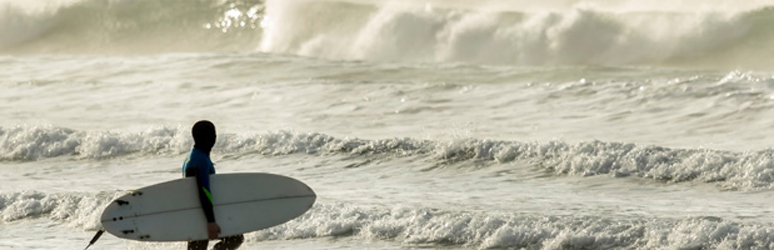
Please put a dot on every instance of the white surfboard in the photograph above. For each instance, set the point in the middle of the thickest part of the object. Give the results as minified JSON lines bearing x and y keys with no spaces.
{"x":243,"y":202}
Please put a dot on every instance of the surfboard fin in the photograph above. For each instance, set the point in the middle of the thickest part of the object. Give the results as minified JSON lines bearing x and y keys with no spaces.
{"x":95,"y":238}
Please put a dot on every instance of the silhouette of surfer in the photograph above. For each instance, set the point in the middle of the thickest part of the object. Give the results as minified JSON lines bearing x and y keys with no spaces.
{"x":199,"y":165}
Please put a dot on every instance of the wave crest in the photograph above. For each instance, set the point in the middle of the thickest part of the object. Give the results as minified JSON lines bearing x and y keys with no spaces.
{"x":40,"y":142}
{"x":730,"y":170}
{"x":578,"y":36}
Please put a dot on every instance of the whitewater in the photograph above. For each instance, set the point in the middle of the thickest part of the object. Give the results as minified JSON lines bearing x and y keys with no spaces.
{"x":420,"y":124}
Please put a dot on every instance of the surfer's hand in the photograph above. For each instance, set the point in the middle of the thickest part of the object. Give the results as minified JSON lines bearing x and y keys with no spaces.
{"x":213,"y":230}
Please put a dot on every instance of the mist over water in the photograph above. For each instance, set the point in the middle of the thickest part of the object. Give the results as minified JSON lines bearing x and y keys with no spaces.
{"x":610,"y":33}
{"x":128,"y":27}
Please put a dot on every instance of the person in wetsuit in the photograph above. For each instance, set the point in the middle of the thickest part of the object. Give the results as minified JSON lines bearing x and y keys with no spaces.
{"x":199,"y":165}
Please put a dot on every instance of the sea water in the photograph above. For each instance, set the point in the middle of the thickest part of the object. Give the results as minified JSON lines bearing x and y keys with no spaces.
{"x":419,"y":124}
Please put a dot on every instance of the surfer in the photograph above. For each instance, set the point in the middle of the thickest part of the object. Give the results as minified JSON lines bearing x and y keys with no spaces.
{"x":199,"y":165}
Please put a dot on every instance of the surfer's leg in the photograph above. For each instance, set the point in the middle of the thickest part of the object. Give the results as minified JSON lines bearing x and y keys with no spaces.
{"x":230,"y":243}
{"x":198,"y":245}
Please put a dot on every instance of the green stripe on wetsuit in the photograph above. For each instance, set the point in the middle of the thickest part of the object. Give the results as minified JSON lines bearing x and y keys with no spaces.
{"x":209,"y":195}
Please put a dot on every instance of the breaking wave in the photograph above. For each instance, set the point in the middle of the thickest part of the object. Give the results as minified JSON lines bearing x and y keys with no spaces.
{"x":730,"y":170}
{"x":579,"y":35}
{"x":503,"y":229}
{"x":512,"y":230}
{"x":407,"y":32}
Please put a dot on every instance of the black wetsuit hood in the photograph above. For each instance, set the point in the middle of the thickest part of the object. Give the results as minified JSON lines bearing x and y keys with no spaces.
{"x":204,"y":135}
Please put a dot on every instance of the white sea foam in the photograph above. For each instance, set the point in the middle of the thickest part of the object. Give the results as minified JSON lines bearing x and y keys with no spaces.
{"x":505,"y":230}
{"x":39,"y":142}
{"x":78,"y":210}
{"x":434,"y":226}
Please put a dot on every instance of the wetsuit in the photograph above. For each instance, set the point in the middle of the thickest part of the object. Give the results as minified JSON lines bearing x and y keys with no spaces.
{"x":199,"y":165}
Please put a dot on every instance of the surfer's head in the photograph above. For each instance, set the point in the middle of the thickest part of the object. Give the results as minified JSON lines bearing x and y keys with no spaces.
{"x":204,"y":135}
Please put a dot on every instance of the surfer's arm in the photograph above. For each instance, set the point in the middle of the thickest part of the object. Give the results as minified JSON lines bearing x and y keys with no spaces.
{"x":203,"y":188}
{"x":205,"y":196}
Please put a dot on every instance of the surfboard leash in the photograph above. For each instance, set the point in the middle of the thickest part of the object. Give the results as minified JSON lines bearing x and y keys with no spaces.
{"x":95,"y":238}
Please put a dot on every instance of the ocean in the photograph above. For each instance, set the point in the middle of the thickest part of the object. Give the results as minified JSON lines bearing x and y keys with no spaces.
{"x":440,"y":124}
